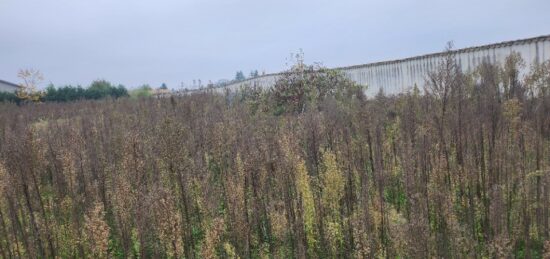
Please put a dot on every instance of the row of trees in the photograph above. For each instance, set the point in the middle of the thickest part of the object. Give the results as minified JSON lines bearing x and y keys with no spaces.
{"x":31,"y":78}
{"x":240,"y":76}
{"x":310,"y":168}
{"x":97,"y":90}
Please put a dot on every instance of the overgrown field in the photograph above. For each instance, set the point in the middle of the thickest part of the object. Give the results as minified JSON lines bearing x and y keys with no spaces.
{"x":311,"y":168}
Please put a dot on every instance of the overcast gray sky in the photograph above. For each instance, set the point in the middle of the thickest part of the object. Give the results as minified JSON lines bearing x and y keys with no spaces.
{"x":135,"y":42}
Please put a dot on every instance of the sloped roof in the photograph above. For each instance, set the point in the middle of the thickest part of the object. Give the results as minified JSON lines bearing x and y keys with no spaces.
{"x":10,"y":84}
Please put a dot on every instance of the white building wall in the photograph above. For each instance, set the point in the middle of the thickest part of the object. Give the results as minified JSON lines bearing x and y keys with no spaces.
{"x":401,"y":75}
{"x":5,"y":87}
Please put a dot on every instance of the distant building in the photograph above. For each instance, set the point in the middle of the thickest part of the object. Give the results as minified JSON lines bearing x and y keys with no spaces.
{"x":8,"y":87}
{"x":401,"y":75}
{"x":160,"y":92}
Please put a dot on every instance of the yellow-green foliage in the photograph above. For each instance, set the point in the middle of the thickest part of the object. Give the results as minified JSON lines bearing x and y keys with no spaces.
{"x":67,"y":235}
{"x":28,"y":91}
{"x":230,"y":251}
{"x":308,"y":205}
{"x":143,"y":91}
{"x":333,"y":183}
{"x":512,"y":112}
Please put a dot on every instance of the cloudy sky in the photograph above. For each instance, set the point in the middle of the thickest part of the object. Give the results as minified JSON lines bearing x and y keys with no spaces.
{"x":135,"y":42}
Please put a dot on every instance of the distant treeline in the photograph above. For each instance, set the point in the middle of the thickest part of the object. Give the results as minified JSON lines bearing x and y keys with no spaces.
{"x":98,"y":89}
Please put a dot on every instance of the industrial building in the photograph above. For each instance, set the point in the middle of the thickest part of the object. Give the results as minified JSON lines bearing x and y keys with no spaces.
{"x":6,"y":86}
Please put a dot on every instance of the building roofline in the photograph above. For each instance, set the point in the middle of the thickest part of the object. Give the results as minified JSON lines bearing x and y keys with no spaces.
{"x":434,"y":54}
{"x":457,"y":51}
{"x":9,"y":83}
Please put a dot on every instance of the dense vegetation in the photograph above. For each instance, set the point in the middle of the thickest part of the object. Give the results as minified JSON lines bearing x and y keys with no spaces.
{"x":310,"y":168}
{"x":8,"y":97}
{"x":99,"y":89}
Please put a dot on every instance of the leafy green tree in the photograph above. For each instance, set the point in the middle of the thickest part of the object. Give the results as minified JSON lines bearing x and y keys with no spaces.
{"x":305,"y":87}
{"x":142,"y":91}
{"x":119,"y":91}
{"x":64,"y":94}
{"x":101,"y":89}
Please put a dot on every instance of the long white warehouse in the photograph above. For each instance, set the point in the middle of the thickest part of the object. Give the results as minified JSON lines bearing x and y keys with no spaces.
{"x":399,"y":75}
